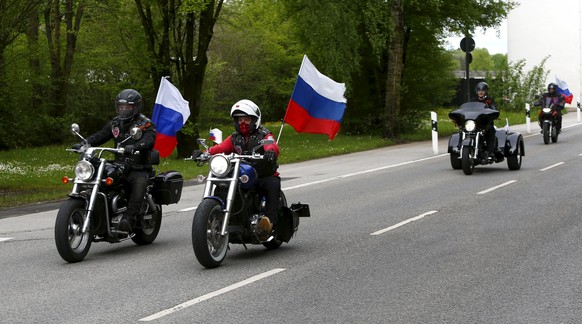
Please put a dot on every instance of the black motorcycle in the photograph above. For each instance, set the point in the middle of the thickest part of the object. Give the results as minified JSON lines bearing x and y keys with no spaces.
{"x":468,"y":147}
{"x":232,"y":206}
{"x":99,"y":198}
{"x":548,"y":120}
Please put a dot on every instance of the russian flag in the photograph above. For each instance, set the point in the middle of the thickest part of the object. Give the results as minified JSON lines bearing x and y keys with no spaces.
{"x":317,"y":103}
{"x":563,"y":89}
{"x":216,"y":135}
{"x":170,"y":113}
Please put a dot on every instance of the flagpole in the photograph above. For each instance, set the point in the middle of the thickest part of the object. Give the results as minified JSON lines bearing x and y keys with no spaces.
{"x":286,"y":110}
{"x":280,"y":130}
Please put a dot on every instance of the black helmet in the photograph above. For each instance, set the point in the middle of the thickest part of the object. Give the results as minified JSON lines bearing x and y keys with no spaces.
{"x":482,"y":86}
{"x":552,"y":86}
{"x":125,"y":100}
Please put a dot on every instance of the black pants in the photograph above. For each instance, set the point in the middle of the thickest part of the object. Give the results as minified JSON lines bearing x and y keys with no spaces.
{"x":137,"y":182}
{"x":271,"y":187}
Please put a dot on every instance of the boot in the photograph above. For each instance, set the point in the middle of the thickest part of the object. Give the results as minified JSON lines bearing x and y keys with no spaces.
{"x":264,"y":228}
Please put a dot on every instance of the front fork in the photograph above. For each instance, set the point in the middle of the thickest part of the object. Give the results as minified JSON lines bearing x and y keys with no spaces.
{"x":233,"y":181}
{"x":94,"y":192}
{"x":467,"y":140}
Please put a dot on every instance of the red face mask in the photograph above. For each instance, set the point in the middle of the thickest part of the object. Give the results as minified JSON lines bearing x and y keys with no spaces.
{"x":244,"y":128}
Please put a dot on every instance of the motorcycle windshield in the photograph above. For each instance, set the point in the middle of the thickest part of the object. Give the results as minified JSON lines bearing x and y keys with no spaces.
{"x":474,"y":111}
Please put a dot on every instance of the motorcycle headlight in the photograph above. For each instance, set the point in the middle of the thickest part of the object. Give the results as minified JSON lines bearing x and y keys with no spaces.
{"x":470,"y":125}
{"x":546,"y":110}
{"x":219,"y":165}
{"x":84,"y":170}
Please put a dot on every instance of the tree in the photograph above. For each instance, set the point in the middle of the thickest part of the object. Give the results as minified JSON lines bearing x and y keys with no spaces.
{"x":179,"y":44}
{"x":13,"y":22}
{"x":61,"y":65}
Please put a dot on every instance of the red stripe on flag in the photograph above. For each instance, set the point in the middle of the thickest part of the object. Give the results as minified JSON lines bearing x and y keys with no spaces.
{"x":165,"y":144}
{"x":302,"y":122}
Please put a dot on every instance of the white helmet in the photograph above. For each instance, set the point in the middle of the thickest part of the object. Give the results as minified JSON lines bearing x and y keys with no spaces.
{"x":246,"y":107}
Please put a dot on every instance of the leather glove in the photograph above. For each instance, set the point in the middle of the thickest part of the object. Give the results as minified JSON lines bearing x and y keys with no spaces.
{"x":269,"y":155}
{"x":196,"y":154}
{"x":77,"y":146}
{"x":129,"y":149}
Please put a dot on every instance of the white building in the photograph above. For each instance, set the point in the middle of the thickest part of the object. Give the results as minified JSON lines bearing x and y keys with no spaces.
{"x":540,"y":28}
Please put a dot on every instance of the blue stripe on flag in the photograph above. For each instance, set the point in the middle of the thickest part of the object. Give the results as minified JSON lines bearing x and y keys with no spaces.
{"x":168,"y":121}
{"x":315,"y":104}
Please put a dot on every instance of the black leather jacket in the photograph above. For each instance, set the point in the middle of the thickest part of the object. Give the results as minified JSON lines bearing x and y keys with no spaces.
{"x":119,"y":130}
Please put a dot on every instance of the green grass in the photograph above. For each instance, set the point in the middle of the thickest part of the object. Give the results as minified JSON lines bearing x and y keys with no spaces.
{"x":34,"y":175}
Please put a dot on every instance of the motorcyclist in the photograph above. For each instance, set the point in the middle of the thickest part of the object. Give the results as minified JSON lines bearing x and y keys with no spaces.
{"x":248,"y":133}
{"x":482,"y":92}
{"x":556,"y":98}
{"x":134,"y":162}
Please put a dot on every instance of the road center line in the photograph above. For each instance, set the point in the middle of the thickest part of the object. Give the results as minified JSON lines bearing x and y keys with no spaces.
{"x":551,"y":166}
{"x":496,"y":187}
{"x":404,"y":222}
{"x":364,"y":171}
{"x":211,"y":295}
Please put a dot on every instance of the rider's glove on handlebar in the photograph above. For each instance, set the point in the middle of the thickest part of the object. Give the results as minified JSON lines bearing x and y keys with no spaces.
{"x":270,"y":155}
{"x":129,"y":149}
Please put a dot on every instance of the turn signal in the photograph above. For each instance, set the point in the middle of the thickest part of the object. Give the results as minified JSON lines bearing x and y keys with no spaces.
{"x":109,"y":181}
{"x":65,"y":179}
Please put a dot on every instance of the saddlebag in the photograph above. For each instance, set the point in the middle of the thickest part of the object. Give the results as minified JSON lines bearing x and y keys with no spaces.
{"x":168,"y":187}
{"x":289,"y":220}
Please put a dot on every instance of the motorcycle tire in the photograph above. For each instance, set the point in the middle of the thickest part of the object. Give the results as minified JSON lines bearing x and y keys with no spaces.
{"x":467,"y":161}
{"x":514,"y":161}
{"x":274,"y":243}
{"x":456,"y":162}
{"x":148,"y":230}
{"x":72,"y":244}
{"x":209,"y":246}
{"x":546,"y":133}
{"x":554,"y":134}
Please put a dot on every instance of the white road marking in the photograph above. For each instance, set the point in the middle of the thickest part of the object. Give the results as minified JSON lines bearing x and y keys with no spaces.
{"x":5,"y":239}
{"x":364,"y":171}
{"x":551,"y":166}
{"x":496,"y":187}
{"x":211,"y":295}
{"x":404,"y":222}
{"x":188,"y":209}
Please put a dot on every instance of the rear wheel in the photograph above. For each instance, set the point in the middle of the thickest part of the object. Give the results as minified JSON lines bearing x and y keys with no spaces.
{"x":467,"y":161}
{"x":209,"y":246}
{"x":514,"y":161}
{"x":274,"y":243}
{"x":546,"y":133}
{"x":150,"y":227}
{"x":554,"y":133}
{"x":456,"y":162}
{"x":72,"y":244}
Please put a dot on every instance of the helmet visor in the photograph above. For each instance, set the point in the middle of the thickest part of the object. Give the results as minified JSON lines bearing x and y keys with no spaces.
{"x":124,"y":109}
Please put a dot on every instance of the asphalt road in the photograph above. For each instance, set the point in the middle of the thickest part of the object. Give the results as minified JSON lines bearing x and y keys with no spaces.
{"x":396,"y":236}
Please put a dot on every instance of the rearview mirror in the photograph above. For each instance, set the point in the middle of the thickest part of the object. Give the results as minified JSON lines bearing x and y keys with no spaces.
{"x":75,"y":128}
{"x":136,"y":133}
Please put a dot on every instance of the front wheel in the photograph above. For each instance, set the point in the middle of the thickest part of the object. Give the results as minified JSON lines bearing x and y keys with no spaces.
{"x":546,"y":133}
{"x":209,"y":246}
{"x":72,"y":244}
{"x":149,"y":228}
{"x":467,"y":160}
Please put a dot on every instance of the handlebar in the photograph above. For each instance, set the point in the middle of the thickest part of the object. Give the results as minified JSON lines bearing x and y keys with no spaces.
{"x":204,"y":157}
